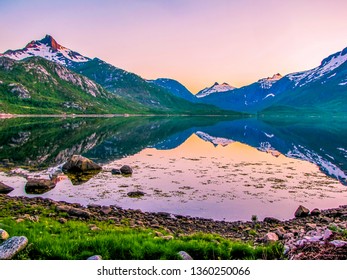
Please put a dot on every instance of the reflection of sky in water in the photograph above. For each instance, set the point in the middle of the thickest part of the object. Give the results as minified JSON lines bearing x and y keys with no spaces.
{"x":232,"y":181}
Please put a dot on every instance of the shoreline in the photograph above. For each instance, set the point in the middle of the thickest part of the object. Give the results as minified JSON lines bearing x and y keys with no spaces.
{"x":244,"y":231}
{"x":322,"y":235}
{"x":116,"y":115}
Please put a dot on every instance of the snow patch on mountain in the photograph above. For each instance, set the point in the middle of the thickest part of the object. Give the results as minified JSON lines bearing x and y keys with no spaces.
{"x":215,"y":88}
{"x":214,"y":140}
{"x":49,"y":49}
{"x":269,"y":95}
{"x":267,"y":83}
{"x":327,"y":65}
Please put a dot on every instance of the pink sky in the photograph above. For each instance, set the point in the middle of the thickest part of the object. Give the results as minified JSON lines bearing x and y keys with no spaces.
{"x":194,"y":42}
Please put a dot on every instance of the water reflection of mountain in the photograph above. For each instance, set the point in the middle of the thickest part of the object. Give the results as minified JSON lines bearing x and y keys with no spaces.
{"x":320,"y":141}
{"x":42,"y":142}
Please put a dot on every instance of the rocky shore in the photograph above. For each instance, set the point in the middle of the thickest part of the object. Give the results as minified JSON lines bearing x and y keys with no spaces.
{"x":321,"y":234}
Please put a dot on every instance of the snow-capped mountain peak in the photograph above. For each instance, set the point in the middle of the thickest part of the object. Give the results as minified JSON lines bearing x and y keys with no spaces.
{"x":327,"y":65}
{"x":47,"y":48}
{"x":215,"y":88}
{"x":267,"y":83}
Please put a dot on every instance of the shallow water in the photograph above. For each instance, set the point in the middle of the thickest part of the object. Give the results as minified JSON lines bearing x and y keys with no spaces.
{"x":220,"y":169}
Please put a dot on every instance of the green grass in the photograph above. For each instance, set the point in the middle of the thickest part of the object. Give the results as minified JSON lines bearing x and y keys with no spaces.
{"x":52,"y":240}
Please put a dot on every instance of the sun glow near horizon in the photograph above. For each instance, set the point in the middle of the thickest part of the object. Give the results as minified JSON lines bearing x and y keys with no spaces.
{"x":195,"y":42}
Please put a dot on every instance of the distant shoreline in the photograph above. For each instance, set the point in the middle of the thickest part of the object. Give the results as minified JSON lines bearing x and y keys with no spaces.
{"x":4,"y":116}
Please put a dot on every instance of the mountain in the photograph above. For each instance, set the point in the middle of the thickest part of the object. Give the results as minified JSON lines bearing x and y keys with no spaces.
{"x":323,"y":88}
{"x":216,"y":88}
{"x":47,"y":48}
{"x":140,"y":95}
{"x":175,"y":88}
{"x":39,"y":86}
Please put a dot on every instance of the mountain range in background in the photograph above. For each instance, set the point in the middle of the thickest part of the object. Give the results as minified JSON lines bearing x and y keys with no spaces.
{"x":320,"y":90}
{"x":45,"y":77}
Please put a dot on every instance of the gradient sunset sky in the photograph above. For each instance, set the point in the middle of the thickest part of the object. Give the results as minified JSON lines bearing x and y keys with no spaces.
{"x":196,"y":42}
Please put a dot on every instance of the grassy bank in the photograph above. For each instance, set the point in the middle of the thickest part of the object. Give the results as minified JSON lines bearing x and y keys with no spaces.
{"x":62,"y":237}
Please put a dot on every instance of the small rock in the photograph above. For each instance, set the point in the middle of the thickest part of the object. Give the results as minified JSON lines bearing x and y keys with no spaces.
{"x":344,"y":217}
{"x":38,"y":186}
{"x":126,"y":170}
{"x":95,"y":258}
{"x":271,"y":220}
{"x":79,"y":212}
{"x":12,"y":246}
{"x":95,"y":228}
{"x":4,"y":189}
{"x":19,"y":220}
{"x":327,"y":219}
{"x":168,"y":237}
{"x":288,"y":235}
{"x":311,"y":225}
{"x":136,"y":194}
{"x":315,"y":212}
{"x":327,"y":234}
{"x":116,"y":171}
{"x":280,"y":232}
{"x":63,"y":208}
{"x":106,"y":210}
{"x":286,"y":249}
{"x":301,"y":243}
{"x":78,"y":163}
{"x":270,"y":237}
{"x":185,"y":256}
{"x":338,"y":243}
{"x":62,"y":220}
{"x":313,"y":238}
{"x":301,"y":212}
{"x":3,"y":234}
{"x":158,"y":233}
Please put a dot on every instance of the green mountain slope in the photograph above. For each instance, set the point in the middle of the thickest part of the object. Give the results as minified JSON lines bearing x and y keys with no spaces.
{"x":38,"y":86}
{"x":135,"y":89}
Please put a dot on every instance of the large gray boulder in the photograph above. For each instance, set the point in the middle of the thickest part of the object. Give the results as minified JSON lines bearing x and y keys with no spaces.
{"x":4,"y":189}
{"x":12,"y":246}
{"x":78,"y":163}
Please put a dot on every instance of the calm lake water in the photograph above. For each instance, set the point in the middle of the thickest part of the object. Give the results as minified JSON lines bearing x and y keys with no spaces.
{"x":220,"y":168}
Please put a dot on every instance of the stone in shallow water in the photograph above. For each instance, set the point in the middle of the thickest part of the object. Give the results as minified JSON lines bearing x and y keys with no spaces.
{"x":4,"y":189}
{"x":135,"y":194}
{"x":78,"y":163}
{"x":185,"y":256}
{"x":38,"y":186}
{"x":3,"y":234}
{"x":116,"y":171}
{"x":126,"y":170}
{"x":12,"y":246}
